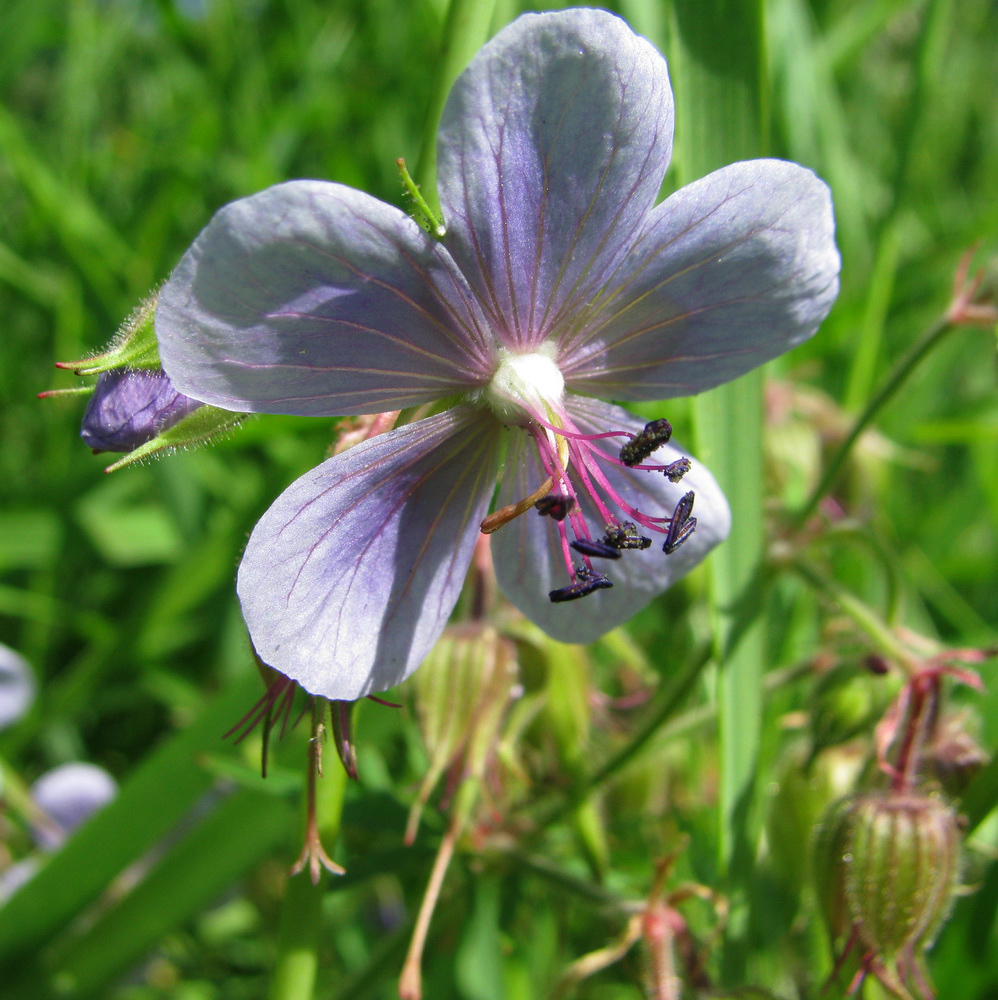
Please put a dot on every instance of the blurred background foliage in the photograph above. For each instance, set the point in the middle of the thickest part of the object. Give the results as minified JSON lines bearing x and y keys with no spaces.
{"x":124,"y":124}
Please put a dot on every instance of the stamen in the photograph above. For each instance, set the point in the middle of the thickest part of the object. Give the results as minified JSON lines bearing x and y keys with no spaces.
{"x":625,"y":536}
{"x":495,"y":520}
{"x":682,"y":525}
{"x":600,"y":550}
{"x":586,"y":581}
{"x":555,"y":505}
{"x":656,"y":432}
{"x":675,"y":471}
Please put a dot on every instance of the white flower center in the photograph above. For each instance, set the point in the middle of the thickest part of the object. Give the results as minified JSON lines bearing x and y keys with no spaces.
{"x":525,"y":385}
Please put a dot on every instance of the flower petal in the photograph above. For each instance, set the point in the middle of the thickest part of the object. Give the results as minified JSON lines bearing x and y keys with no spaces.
{"x":728,"y":273}
{"x":552,"y":148}
{"x":316,"y":299}
{"x":527,"y":551}
{"x":351,"y":575}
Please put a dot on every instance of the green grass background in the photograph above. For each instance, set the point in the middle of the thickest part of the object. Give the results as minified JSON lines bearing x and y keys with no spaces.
{"x":123,"y":125}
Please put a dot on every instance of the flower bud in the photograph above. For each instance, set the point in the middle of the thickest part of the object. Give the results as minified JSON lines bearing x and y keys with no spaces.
{"x":135,"y":408}
{"x":69,"y":795}
{"x":141,"y":413}
{"x":129,"y":408}
{"x":17,"y":686}
{"x":887,"y":865}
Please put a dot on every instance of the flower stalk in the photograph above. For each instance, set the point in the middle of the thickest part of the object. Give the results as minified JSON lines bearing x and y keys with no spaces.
{"x":971,"y":305}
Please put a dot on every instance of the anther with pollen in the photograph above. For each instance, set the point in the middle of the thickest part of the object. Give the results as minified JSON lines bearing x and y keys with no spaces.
{"x":675,"y":471}
{"x":655,"y":434}
{"x":625,"y":536}
{"x":555,"y":505}
{"x":599,"y":550}
{"x":682,"y":525}
{"x":586,"y":582}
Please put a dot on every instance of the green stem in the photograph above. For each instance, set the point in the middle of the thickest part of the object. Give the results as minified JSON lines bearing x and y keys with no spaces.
{"x":933,"y":336}
{"x":871,"y":624}
{"x":719,"y":67}
{"x":465,"y":31}
{"x":301,"y":917}
{"x":298,"y":940}
{"x":582,"y":888}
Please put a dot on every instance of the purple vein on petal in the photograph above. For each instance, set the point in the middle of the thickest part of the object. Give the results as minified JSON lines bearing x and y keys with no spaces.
{"x":569,"y":308}
{"x":458,"y":442}
{"x":444,"y":300}
{"x":461,"y":345}
{"x":586,"y":333}
{"x":492,"y":307}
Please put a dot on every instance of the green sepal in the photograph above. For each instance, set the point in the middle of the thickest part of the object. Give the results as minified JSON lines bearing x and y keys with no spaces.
{"x":77,"y":390}
{"x":134,"y":345}
{"x":195,"y":429}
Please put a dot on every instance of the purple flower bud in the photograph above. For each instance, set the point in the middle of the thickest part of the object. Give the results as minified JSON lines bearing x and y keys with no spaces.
{"x":17,"y":686}
{"x":129,"y":408}
{"x":69,"y":795}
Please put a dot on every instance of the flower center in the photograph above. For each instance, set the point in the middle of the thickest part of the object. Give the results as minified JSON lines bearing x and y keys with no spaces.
{"x":528,"y":391}
{"x":525,"y":386}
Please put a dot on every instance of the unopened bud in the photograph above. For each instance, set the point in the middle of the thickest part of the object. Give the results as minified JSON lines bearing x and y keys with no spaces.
{"x":129,"y":408}
{"x":887,"y":866}
{"x":17,"y":686}
{"x":141,"y":413}
{"x":135,"y":408}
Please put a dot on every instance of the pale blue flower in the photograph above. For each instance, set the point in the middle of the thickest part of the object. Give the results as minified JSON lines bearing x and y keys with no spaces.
{"x":558,"y":281}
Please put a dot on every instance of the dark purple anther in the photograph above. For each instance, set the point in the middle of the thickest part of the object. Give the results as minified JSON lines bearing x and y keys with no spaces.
{"x":600,"y":550}
{"x":682,"y":525}
{"x":555,"y":505}
{"x":675,"y":471}
{"x":129,"y":408}
{"x":656,"y":433}
{"x":625,"y":536}
{"x":586,"y":581}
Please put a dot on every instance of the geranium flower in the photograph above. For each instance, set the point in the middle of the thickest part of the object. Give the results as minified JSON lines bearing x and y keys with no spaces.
{"x":557,"y":281}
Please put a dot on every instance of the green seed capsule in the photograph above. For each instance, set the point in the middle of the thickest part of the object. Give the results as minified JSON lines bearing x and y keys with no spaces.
{"x":901,"y":865}
{"x":830,"y":856}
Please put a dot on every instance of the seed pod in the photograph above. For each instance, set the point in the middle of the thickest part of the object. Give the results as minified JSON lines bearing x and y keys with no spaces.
{"x":830,"y":853}
{"x":887,"y":865}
